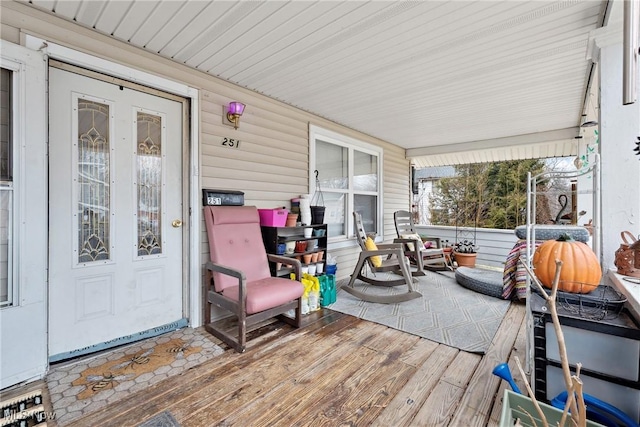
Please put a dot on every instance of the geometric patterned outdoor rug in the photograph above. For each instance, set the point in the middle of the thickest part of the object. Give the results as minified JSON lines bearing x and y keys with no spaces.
{"x":447,"y":313}
{"x":88,"y":384}
{"x":164,"y":419}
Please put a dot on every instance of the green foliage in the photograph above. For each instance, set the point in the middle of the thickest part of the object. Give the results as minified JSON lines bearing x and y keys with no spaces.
{"x":488,"y":195}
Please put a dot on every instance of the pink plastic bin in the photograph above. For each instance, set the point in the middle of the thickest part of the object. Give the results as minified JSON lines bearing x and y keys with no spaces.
{"x":273,"y":217}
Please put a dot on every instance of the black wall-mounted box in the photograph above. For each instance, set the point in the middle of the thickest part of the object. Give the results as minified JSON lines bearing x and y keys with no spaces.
{"x":222,"y":197}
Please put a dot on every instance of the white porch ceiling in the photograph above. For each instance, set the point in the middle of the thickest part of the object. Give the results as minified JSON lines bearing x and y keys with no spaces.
{"x":450,"y":81}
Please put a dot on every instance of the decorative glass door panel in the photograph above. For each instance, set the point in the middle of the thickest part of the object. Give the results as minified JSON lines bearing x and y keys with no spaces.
{"x":93,"y":178}
{"x":149,"y":183}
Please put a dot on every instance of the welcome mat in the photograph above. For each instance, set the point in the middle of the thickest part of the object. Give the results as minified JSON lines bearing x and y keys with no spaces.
{"x":447,"y":313}
{"x":87,"y":385}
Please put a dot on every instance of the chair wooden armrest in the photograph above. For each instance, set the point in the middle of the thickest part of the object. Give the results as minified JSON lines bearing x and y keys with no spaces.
{"x":225,"y":270}
{"x":236,"y":308}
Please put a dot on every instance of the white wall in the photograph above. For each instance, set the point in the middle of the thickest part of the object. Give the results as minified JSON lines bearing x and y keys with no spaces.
{"x":620,"y":127}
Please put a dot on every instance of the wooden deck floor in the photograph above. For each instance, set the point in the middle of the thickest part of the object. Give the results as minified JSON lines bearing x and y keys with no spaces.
{"x":336,"y":371}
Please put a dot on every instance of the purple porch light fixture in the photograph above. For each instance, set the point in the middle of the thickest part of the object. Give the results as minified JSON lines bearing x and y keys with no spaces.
{"x":234,"y":112}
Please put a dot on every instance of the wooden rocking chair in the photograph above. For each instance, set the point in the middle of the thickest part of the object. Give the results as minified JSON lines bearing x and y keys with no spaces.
{"x":395,"y":262}
{"x":419,"y":256}
{"x":239,"y":279}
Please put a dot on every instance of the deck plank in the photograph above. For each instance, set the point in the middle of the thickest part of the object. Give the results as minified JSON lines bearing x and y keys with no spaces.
{"x":369,"y":391}
{"x":324,"y":377}
{"x":417,"y":354}
{"x":407,"y":402}
{"x":336,"y":370}
{"x":267,"y":399}
{"x":475,"y":405}
{"x":443,"y":400}
{"x":175,"y":389}
{"x":267,"y":371}
{"x":519,"y":350}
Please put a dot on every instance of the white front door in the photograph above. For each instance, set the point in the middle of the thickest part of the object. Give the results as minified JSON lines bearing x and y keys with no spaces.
{"x":115,"y":206}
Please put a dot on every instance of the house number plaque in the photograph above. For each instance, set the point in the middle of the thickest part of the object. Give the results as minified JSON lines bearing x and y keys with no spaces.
{"x":230,"y":142}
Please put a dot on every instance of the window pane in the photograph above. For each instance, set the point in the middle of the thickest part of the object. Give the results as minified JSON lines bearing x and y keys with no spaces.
{"x":332,"y":163}
{"x":365,"y":176}
{"x":149,"y":184}
{"x":335,"y":206}
{"x":367,"y":207}
{"x":6,"y":285}
{"x":6,"y":188}
{"x":6,"y":173}
{"x":93,"y":181}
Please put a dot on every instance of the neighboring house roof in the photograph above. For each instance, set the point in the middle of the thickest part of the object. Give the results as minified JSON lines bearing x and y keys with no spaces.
{"x":435,"y":172}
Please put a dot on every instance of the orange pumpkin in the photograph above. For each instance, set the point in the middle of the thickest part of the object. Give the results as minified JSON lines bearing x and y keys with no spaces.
{"x":581,"y":272}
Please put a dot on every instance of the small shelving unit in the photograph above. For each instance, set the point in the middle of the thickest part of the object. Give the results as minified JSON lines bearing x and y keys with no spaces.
{"x":533,"y":192}
{"x":273,"y":236}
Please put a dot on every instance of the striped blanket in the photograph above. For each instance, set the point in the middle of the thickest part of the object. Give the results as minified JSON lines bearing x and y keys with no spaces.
{"x":514,"y":278}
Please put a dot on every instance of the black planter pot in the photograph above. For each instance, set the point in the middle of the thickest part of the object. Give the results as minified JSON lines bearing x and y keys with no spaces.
{"x":317,"y":214}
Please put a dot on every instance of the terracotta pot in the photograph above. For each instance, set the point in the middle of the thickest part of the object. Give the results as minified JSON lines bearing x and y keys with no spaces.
{"x":314,"y":257}
{"x":292,"y":219}
{"x":301,"y":246}
{"x":306,"y":258}
{"x":320,"y":255}
{"x":465,"y":260}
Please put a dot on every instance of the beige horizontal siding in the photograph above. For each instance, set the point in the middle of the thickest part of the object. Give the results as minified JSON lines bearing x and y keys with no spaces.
{"x":271,"y":166}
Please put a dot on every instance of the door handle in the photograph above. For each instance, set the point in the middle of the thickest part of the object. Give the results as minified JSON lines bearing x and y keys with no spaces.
{"x":176,"y":223}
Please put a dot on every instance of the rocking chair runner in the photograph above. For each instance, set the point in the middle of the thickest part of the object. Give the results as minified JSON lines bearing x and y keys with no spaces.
{"x":394,"y":262}
{"x":421,"y":257}
{"x":238,"y":274}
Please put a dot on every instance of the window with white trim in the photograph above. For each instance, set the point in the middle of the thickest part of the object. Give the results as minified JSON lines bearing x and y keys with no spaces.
{"x":350,"y":177}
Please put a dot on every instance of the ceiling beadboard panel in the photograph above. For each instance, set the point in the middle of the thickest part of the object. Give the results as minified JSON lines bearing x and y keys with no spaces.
{"x":418,"y":74}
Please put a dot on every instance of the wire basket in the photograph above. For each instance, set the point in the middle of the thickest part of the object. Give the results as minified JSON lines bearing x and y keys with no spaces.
{"x":603,"y":302}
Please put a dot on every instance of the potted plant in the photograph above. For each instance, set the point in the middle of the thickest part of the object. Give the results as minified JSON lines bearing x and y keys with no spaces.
{"x":465,"y":253}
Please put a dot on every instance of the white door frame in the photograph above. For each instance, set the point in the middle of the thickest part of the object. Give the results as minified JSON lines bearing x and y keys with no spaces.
{"x":117,"y":70}
{"x":23,"y":335}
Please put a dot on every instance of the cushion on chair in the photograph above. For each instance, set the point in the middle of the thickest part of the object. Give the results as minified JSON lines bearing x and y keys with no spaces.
{"x":552,"y":232}
{"x":488,"y":282}
{"x":412,"y":237}
{"x":267,"y":293}
{"x":371,"y":246}
{"x":238,"y":243}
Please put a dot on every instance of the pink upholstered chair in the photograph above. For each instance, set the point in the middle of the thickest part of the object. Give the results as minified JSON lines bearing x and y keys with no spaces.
{"x":239,"y":279}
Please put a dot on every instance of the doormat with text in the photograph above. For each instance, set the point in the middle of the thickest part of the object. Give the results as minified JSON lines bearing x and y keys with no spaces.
{"x":80,"y":387}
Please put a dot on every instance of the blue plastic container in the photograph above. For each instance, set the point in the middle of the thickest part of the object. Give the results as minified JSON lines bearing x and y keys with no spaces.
{"x":331,"y":269}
